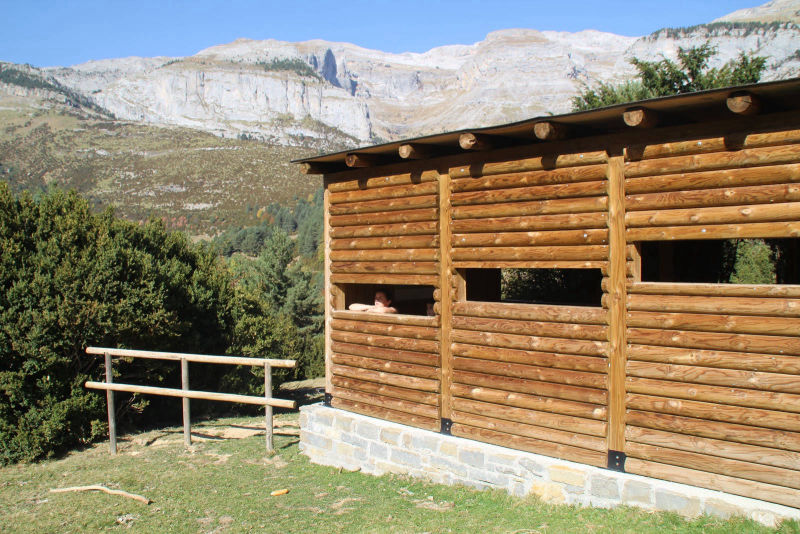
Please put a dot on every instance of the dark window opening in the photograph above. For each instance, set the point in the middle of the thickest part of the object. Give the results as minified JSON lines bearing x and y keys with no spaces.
{"x":722,"y":261}
{"x":572,"y":287}
{"x":409,"y":300}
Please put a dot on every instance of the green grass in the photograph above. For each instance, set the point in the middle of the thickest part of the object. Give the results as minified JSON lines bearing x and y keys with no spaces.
{"x":224,"y":485}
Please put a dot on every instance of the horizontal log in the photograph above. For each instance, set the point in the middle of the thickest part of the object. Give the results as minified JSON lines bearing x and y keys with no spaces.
{"x":364,"y":160}
{"x":366,"y":243}
{"x":536,"y":343}
{"x":392,"y":318}
{"x":412,"y":254}
{"x":512,"y":239}
{"x":416,"y":151}
{"x":706,"y":322}
{"x":532,"y":402}
{"x":381,"y":353}
{"x":712,"y":464}
{"x":387,"y":342}
{"x":192,"y":394}
{"x":757,"y":306}
{"x":388,"y":366}
{"x":745,"y":398}
{"x":383,"y":181}
{"x":381,"y":230}
{"x":548,"y":435}
{"x":550,"y":130}
{"x":386,"y":329}
{"x":532,"y":328}
{"x":530,"y":264}
{"x":705,"y":198}
{"x":524,"y":443}
{"x":639,"y":117}
{"x":390,"y":403}
{"x":391,"y":379}
{"x":381,"y":267}
{"x":386,"y":390}
{"x":750,"y":138}
{"x":536,"y":192}
{"x":386,"y":414}
{"x":532,"y":387}
{"x":748,"y":176}
{"x":392,"y":204}
{"x":555,"y":252}
{"x":714,"y":290}
{"x":748,"y":157}
{"x":744,"y":103}
{"x":318,"y":167}
{"x":716,"y":341}
{"x":385,"y":193}
{"x":532,"y":312}
{"x":198,"y":358}
{"x":535,"y":222}
{"x":360,"y":219}
{"x":718,"y":231}
{"x":472,"y":141}
{"x":537,"y":163}
{"x":586,"y":173}
{"x":531,"y":372}
{"x":537,"y":207}
{"x":542,"y":359}
{"x":764,"y":437}
{"x":531,"y":417}
{"x":714,"y":447}
{"x":737,"y":486}
{"x":715,"y":377}
{"x":785,"y":211}
{"x":389,"y":279}
{"x":717,"y":359}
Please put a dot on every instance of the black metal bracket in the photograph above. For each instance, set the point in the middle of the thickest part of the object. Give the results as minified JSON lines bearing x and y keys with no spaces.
{"x":327,"y":400}
{"x":447,"y":424}
{"x":616,"y":461}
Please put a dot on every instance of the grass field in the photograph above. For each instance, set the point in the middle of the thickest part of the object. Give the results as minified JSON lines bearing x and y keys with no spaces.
{"x":223,"y":484}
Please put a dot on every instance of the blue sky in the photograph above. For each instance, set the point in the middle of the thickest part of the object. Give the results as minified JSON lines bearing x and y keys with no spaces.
{"x":58,"y":32}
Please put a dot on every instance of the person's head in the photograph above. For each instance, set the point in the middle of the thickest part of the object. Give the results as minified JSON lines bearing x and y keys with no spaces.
{"x":383,"y":298}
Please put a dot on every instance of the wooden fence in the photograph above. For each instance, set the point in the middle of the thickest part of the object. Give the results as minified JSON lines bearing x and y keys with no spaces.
{"x":185,"y":393}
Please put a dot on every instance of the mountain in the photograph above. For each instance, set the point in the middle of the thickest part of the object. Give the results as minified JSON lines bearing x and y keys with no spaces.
{"x":775,"y":11}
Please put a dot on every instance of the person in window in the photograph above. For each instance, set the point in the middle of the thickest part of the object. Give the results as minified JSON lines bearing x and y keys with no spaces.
{"x":383,"y":304}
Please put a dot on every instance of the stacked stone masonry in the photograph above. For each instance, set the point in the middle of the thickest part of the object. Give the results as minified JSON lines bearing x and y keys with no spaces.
{"x":334,"y":437}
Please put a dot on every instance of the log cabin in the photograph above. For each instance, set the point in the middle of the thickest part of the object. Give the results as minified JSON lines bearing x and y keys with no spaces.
{"x":574,"y":262}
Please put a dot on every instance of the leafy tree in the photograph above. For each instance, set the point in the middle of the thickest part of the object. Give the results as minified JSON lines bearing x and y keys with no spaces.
{"x":663,"y":78}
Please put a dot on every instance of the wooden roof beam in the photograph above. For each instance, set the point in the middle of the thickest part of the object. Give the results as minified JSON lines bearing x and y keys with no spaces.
{"x":416,"y":151}
{"x":356,"y":160}
{"x":744,"y":103}
{"x":319,"y":167}
{"x":640,"y":117}
{"x":472,"y":141}
{"x":550,"y":131}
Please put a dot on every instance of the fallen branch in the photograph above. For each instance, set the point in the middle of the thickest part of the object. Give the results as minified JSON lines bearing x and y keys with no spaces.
{"x":133,"y":496}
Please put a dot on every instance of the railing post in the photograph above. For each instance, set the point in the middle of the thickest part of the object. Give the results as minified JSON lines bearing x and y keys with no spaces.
{"x":268,"y":408}
{"x":187,"y":421}
{"x":112,"y":423}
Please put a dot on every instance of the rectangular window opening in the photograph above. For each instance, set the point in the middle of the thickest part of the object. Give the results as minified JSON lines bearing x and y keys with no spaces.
{"x":568,"y":287}
{"x":406,"y":299}
{"x":722,"y":261}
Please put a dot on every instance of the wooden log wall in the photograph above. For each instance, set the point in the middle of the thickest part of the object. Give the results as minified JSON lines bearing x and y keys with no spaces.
{"x":385,"y":230}
{"x":713,"y":371}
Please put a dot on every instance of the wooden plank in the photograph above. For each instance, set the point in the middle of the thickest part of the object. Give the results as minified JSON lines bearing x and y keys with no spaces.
{"x":533,"y":328}
{"x":750,"y":138}
{"x":715,"y":290}
{"x":756,"y":306}
{"x":707,"y":322}
{"x":391,"y":242}
{"x":383,"y":193}
{"x":536,"y":163}
{"x":406,"y":356}
{"x":532,"y":312}
{"x":531,"y":372}
{"x":536,"y":207}
{"x":532,"y":387}
{"x":536,"y":192}
{"x":417,"y":345}
{"x":715,"y":341}
{"x":543,"y":359}
{"x":704,"y":198}
{"x":383,"y":205}
{"x":386,"y":414}
{"x":737,"y":486}
{"x":391,"y":379}
{"x":774,"y":174}
{"x":564,"y":237}
{"x":411,"y":254}
{"x":716,"y":359}
{"x":535,"y":222}
{"x":785,"y":383}
{"x":389,"y":279}
{"x":532,"y":402}
{"x":719,"y":231}
{"x":388,"y":366}
{"x":530,"y":264}
{"x":192,"y":394}
{"x":386,"y":390}
{"x":764,"y":437}
{"x":383,"y":230}
{"x":186,"y":406}
{"x":748,"y":157}
{"x":445,"y":305}
{"x":788,"y":211}
{"x":548,"y":253}
{"x":386,"y":329}
{"x":384,"y":267}
{"x":740,"y":397}
{"x":524,"y":443}
{"x":334,"y":296}
{"x":392,"y":318}
{"x":535,"y":343}
{"x":532,"y":417}
{"x":403,"y":216}
{"x":382,"y":401}
{"x":198,"y":358}
{"x":715,"y":447}
{"x":110,"y":406}
{"x":407,"y":178}
{"x":586,"y":173}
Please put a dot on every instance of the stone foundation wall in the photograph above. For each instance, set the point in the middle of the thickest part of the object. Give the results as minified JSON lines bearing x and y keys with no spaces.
{"x":329,"y":436}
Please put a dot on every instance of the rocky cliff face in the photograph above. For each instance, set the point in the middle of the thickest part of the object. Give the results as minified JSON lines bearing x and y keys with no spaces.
{"x":333,"y":94}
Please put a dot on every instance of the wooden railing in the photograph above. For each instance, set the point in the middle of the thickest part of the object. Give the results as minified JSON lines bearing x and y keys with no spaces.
{"x":185,"y":393}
